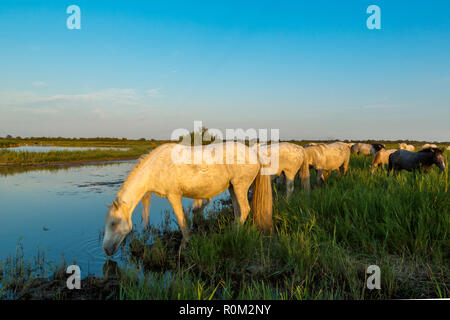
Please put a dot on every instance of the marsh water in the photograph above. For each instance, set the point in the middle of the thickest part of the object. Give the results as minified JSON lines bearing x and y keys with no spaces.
{"x":61,"y":212}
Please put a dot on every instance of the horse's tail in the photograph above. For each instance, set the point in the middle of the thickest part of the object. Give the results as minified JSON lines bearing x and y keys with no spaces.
{"x":262,"y":202}
{"x":146,"y":201}
{"x":304,"y":173}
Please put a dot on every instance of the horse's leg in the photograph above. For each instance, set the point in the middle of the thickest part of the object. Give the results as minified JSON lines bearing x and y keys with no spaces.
{"x":241,"y":197}
{"x":346,"y":163}
{"x":373,"y":167}
{"x":146,"y":199}
{"x":318,"y":174}
{"x":175,"y":201}
{"x":199,"y":205}
{"x":236,"y":208}
{"x":289,"y":184}
{"x":321,"y":176}
{"x":279,"y":179}
{"x":289,"y":188}
{"x":197,"y":210}
{"x":390,"y":167}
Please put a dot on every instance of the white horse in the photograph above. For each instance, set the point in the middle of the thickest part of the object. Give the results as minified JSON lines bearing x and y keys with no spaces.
{"x":405,"y":146}
{"x":174,"y":171}
{"x":325,"y":158}
{"x":428,"y":145}
{"x":291,"y":159}
{"x":362,"y":148}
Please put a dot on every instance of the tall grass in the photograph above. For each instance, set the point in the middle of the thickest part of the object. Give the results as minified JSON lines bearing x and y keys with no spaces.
{"x":323,"y":243}
{"x":8,"y":157}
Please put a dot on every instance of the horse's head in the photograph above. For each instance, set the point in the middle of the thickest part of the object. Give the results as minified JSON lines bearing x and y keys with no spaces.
{"x":117,"y":226}
{"x":377,"y":147}
{"x":438,"y":158}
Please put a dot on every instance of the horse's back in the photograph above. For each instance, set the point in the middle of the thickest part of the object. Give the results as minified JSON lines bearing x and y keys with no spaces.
{"x":289,"y":156}
{"x":204,"y":171}
{"x":385,"y":154}
{"x":337,"y":153}
{"x":364,"y":148}
{"x":403,"y":159}
{"x":328,"y":156}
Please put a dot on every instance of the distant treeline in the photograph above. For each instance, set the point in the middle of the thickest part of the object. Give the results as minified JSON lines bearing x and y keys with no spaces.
{"x":10,"y":141}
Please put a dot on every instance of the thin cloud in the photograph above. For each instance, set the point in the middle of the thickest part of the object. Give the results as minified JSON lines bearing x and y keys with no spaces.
{"x":104,"y":98}
{"x":154,"y":93}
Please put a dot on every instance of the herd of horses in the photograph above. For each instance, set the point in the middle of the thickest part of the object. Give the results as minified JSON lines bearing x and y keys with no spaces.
{"x":158,"y":173}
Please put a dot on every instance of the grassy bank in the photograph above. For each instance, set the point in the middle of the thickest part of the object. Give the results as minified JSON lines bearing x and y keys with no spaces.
{"x":78,"y":142}
{"x":320,"y":249}
{"x":11,"y":158}
{"x":131,"y":149}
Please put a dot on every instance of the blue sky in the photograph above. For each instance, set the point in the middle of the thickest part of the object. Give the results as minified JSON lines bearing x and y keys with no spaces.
{"x":145,"y":68}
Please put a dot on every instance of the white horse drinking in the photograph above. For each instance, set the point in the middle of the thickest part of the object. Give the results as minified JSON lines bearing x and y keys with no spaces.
{"x":174,"y":171}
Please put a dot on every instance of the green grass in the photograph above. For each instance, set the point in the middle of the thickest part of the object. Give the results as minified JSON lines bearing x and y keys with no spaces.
{"x":322,"y":245}
{"x":77,"y":142}
{"x":133,"y":149}
{"x":8,"y":157}
{"x":320,"y":249}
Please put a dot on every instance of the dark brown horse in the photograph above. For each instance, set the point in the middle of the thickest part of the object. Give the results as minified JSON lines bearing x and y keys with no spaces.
{"x":412,"y":161}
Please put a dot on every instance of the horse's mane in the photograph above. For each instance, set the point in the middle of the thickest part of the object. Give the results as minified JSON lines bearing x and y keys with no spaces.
{"x":141,"y":161}
{"x":433,"y":150}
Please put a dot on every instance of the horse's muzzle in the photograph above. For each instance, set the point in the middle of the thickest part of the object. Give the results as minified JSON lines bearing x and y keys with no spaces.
{"x":110,"y":250}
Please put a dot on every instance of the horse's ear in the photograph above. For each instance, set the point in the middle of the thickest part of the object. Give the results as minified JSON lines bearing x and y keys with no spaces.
{"x":117,"y":203}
